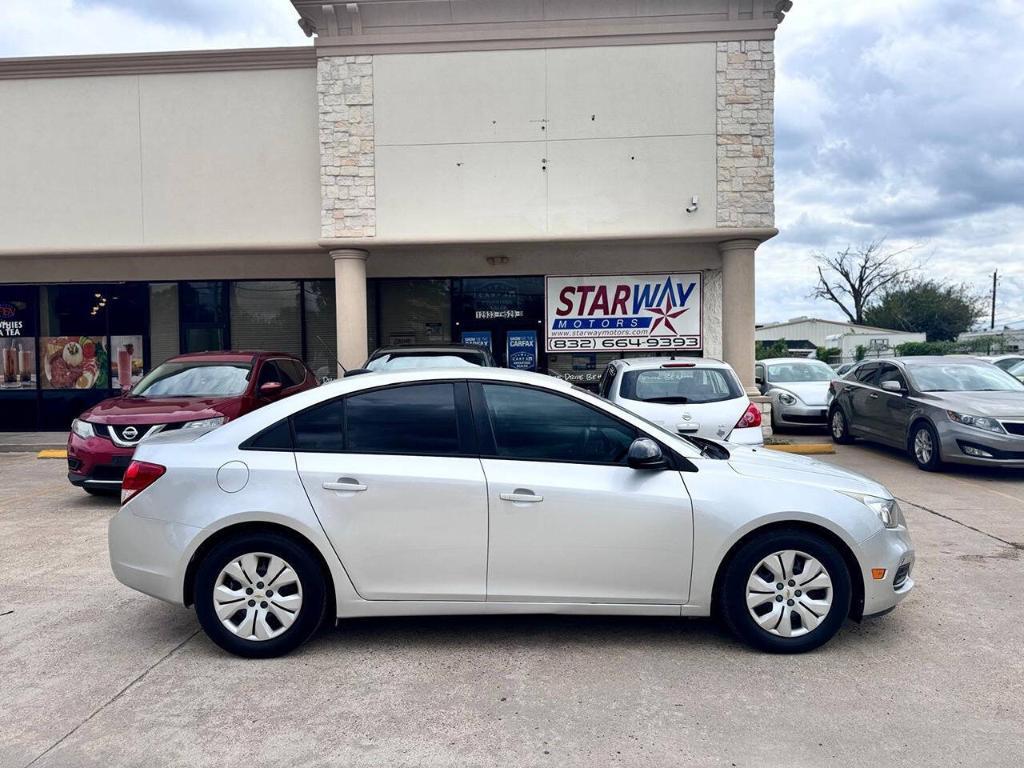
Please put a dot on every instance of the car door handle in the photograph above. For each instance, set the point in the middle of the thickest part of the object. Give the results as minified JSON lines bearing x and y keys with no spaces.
{"x":873,"y":396}
{"x":521,"y":496}
{"x":344,"y":484}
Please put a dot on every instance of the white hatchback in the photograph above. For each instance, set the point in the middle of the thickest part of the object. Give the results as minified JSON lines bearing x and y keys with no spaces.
{"x":696,"y":397}
{"x":484,"y":490}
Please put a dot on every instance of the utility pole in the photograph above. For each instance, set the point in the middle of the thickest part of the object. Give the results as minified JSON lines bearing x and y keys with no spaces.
{"x":995,"y":278}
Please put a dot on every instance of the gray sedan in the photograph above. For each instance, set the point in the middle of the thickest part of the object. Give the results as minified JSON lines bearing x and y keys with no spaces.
{"x":940,"y":409}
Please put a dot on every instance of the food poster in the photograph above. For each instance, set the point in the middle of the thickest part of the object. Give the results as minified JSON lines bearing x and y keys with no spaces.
{"x":125,"y":360}
{"x":73,"y":362}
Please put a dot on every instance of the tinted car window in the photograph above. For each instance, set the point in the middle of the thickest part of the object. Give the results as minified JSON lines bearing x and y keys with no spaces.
{"x":533,"y":424}
{"x":419,"y":419}
{"x":275,"y":438}
{"x":321,"y":428}
{"x":269,"y":374}
{"x":891,"y":373}
{"x":680,"y":385}
{"x":865,"y":374}
{"x":292,"y":372}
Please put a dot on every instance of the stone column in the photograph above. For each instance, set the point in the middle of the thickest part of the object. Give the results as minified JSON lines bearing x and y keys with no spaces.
{"x":738,"y":308}
{"x":350,"y":300}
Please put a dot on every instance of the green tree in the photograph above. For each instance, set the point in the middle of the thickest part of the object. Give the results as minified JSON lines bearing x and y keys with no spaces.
{"x":764,"y":351}
{"x":825,"y":354}
{"x":939,"y":310}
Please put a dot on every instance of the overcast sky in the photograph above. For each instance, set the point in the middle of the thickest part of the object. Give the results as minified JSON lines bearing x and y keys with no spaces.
{"x":901,"y":119}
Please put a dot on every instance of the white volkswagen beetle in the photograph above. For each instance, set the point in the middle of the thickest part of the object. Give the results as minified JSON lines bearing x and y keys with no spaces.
{"x":495,"y":491}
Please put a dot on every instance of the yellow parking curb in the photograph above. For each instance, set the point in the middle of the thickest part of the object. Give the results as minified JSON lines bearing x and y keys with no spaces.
{"x":806,"y":449}
{"x":53,"y":454}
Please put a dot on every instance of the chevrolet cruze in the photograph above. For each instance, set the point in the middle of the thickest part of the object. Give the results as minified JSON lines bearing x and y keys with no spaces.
{"x":482,"y":490}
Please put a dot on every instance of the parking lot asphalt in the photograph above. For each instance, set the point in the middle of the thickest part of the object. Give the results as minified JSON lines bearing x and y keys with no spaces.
{"x":92,"y":673}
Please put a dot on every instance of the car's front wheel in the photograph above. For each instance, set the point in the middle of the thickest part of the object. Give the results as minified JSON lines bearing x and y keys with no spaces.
{"x":924,"y":447}
{"x":840,"y":427}
{"x":260,"y":595}
{"x":787,"y":591}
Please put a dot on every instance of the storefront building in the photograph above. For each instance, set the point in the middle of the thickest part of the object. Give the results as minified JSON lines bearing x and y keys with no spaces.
{"x":565,"y":181}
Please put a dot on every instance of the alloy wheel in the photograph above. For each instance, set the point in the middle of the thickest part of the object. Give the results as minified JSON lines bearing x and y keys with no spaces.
{"x":838,"y":427}
{"x":924,"y":449}
{"x":789,"y":593}
{"x":257,"y":596}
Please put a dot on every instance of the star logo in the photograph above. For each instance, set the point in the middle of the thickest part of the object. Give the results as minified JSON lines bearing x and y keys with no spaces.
{"x":666,"y":315}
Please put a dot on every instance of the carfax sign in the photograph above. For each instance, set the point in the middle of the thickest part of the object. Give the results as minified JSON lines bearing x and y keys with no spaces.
{"x":624,"y":313}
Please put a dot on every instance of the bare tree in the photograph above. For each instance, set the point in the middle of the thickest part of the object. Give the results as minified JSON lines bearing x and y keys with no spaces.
{"x":852,"y":277}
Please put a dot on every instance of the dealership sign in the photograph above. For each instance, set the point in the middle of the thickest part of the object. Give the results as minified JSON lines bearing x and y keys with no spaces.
{"x":623,"y":312}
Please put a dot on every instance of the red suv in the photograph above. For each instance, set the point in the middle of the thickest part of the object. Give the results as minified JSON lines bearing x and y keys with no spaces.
{"x":189,"y":391}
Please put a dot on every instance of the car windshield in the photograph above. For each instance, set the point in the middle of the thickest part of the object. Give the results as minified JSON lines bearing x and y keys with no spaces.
{"x":811,"y":370}
{"x":413,"y":363}
{"x":1018,"y":370}
{"x":680,"y":385}
{"x":961,"y":377}
{"x":195,"y":379}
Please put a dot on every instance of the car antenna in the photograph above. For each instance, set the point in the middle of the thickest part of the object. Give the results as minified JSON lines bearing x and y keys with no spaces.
{"x":344,"y":370}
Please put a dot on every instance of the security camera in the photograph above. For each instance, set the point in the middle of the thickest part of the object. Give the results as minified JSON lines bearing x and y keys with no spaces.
{"x":694,"y":204}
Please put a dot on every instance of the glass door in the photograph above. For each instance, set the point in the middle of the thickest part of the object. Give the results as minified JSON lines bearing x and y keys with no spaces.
{"x":204,"y":316}
{"x":505,"y":314}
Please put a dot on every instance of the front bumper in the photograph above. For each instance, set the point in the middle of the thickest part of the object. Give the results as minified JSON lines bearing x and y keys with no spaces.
{"x":956,"y":439}
{"x":799,"y":414}
{"x":96,"y":463}
{"x":150,"y":555}
{"x":890,"y":549}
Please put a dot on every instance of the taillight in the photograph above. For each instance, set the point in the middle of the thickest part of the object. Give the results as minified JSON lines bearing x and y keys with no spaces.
{"x":750,"y":418}
{"x":138,"y":477}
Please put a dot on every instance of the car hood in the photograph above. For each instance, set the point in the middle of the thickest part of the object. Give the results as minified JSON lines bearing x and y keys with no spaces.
{"x":810,"y":392}
{"x":161,"y":410}
{"x":767,"y":464}
{"x":999,"y":405}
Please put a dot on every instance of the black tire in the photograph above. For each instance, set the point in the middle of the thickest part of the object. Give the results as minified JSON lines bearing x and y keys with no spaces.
{"x":934,"y":461}
{"x":839,"y":427}
{"x":313,"y":589}
{"x":732,"y":596}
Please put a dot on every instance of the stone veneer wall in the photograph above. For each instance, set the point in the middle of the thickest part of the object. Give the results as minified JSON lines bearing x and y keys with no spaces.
{"x":711,"y":301}
{"x":348,"y":206}
{"x":746,"y":133}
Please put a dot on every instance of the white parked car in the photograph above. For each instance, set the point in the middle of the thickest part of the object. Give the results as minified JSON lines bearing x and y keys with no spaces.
{"x":695,"y":397}
{"x":486,"y":490}
{"x":798,"y":389}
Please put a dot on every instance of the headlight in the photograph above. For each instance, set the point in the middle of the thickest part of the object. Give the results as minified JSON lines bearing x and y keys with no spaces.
{"x":202,"y":423}
{"x":979,"y":422}
{"x":787,"y":398}
{"x":888,"y":510}
{"x":82,"y":428}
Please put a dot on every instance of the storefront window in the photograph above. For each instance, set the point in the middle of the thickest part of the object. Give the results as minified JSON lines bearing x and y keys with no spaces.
{"x":164,"y":333}
{"x":204,"y":315}
{"x":318,"y":303}
{"x":414,"y":312}
{"x":503,"y":313}
{"x":265,"y":315}
{"x":17,"y":338}
{"x":73,"y":351}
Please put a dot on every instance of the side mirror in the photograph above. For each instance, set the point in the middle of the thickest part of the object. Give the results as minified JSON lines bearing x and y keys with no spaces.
{"x":271,"y":389}
{"x":644,"y":453}
{"x":892,"y":386}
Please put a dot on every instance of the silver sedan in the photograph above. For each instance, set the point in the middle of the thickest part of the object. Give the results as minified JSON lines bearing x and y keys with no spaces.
{"x":484,"y":490}
{"x":940,"y":409}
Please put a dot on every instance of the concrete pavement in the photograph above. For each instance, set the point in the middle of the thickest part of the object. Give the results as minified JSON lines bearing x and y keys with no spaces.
{"x":95,"y":674}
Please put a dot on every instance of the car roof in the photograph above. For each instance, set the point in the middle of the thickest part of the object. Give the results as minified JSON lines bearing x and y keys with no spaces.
{"x":772,"y":360}
{"x":650,"y":363}
{"x":230,"y":355}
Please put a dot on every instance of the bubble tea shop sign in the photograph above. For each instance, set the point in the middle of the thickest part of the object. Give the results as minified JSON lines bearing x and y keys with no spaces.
{"x":12,"y":323}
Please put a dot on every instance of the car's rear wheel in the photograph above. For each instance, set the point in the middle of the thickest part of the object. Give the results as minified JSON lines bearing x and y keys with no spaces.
{"x":924,"y":447}
{"x":840,"y":427}
{"x":787,"y":591}
{"x":260,"y":595}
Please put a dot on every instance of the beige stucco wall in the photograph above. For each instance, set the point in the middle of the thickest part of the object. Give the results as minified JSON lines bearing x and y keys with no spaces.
{"x":175,"y":160}
{"x":560,"y":142}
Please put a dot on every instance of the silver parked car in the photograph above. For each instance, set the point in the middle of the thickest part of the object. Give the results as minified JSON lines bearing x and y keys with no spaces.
{"x":940,"y":409}
{"x":484,"y":490}
{"x":797,"y":388}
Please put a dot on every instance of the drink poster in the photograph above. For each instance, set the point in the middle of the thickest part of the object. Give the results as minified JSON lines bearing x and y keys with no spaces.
{"x":125,"y":360}
{"x":73,"y":362}
{"x":17,"y":345}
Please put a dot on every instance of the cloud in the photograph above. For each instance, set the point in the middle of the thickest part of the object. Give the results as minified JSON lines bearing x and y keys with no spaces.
{"x":899,"y":119}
